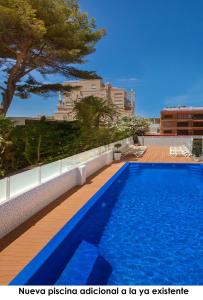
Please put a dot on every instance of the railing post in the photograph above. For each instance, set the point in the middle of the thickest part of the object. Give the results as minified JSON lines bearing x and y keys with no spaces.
{"x":39,"y":175}
{"x":82,"y":174}
{"x":109,"y":157}
{"x":61,"y":167}
{"x":8,"y":188}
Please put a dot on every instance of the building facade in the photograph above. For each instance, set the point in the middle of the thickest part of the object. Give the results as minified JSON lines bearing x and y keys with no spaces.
{"x":182,"y":121}
{"x":154,"y":125}
{"x":125,"y":101}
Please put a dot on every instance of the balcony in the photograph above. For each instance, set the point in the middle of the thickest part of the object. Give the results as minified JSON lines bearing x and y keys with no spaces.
{"x":167,"y":117}
{"x":182,"y":124}
{"x":198,"y":124}
{"x":197,"y":117}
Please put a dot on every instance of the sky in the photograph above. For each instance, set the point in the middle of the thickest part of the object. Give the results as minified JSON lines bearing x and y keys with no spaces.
{"x":152,"y":46}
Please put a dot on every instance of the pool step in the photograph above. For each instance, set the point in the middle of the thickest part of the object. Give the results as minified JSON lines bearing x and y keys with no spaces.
{"x":84,"y":267}
{"x":133,"y":173}
{"x":133,"y":169}
{"x":134,"y":166}
{"x":196,"y":170}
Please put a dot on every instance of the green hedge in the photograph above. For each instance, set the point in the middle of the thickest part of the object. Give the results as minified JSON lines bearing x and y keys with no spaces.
{"x":43,"y":142}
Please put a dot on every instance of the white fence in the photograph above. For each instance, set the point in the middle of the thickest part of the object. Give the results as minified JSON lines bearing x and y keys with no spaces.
{"x":24,"y":194}
{"x":24,"y":181}
{"x":168,"y":140}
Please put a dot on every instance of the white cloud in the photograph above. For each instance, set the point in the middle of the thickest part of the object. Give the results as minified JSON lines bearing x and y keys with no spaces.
{"x":131,"y":79}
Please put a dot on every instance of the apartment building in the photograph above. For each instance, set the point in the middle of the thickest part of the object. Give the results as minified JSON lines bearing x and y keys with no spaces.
{"x":182,"y":121}
{"x":96,"y":87}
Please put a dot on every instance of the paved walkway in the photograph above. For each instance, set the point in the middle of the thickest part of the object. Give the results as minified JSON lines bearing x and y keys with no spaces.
{"x":21,"y":245}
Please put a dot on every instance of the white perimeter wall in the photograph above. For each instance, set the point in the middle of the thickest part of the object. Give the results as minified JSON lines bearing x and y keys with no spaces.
{"x":167,"y":140}
{"x":19,"y":207}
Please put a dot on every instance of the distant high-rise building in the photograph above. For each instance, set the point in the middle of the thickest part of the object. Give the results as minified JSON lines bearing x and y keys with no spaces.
{"x":125,"y":101}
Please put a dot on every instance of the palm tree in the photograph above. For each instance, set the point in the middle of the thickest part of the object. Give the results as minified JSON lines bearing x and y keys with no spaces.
{"x":94,"y":112}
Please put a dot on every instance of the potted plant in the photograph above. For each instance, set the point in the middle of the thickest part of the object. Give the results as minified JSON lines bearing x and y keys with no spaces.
{"x":117,"y":153}
{"x":197,"y":149}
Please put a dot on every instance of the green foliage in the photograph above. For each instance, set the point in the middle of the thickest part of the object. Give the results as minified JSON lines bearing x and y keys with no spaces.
{"x":49,"y":36}
{"x":197,"y":148}
{"x":6,"y":127}
{"x":94,"y":112}
{"x":117,"y":146}
{"x":132,"y":126}
{"x":43,"y":141}
{"x":40,"y":142}
{"x":6,"y":145}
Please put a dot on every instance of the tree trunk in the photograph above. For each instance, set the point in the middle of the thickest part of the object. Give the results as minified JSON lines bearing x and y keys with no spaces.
{"x":15,"y":74}
{"x":7,"y":97}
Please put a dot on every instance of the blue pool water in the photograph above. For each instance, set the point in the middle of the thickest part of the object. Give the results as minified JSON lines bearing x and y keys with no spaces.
{"x":144,"y":227}
{"x":155,"y":233}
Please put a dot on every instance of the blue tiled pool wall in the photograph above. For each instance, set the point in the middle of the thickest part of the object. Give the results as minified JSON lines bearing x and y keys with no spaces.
{"x":166,"y":166}
{"x":89,"y":229}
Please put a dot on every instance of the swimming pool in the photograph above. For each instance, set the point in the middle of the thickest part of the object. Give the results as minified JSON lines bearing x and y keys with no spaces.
{"x":143,"y":227}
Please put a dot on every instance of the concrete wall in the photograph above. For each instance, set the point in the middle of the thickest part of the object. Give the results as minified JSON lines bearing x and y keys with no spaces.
{"x":95,"y":164}
{"x":167,"y":140}
{"x":19,"y":208}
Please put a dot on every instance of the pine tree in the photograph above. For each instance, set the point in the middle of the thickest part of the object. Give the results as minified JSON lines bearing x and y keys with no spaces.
{"x":49,"y":36}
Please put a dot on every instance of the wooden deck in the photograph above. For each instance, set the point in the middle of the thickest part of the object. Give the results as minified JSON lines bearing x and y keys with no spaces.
{"x":21,"y":245}
{"x":160,"y":154}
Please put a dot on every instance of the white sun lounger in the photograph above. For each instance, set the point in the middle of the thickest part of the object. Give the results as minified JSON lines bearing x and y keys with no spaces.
{"x":180,"y":151}
{"x":137,"y":151}
{"x":172,"y":151}
{"x":186,"y":151}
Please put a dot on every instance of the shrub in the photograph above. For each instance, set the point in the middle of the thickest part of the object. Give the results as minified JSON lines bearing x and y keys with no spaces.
{"x":6,"y":146}
{"x":117,"y":146}
{"x":197,"y":148}
{"x":40,"y":142}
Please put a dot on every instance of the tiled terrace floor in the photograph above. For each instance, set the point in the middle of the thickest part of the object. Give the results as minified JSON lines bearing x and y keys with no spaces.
{"x":21,"y":245}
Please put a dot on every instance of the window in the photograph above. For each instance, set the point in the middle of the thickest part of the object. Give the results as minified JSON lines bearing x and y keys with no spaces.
{"x":168,"y":124}
{"x":167,"y":131}
{"x":164,"y":117}
{"x":198,"y":124}
{"x":182,"y":132}
{"x":199,"y":116}
{"x":184,"y":116}
{"x":198,"y":132}
{"x":182,"y":124}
